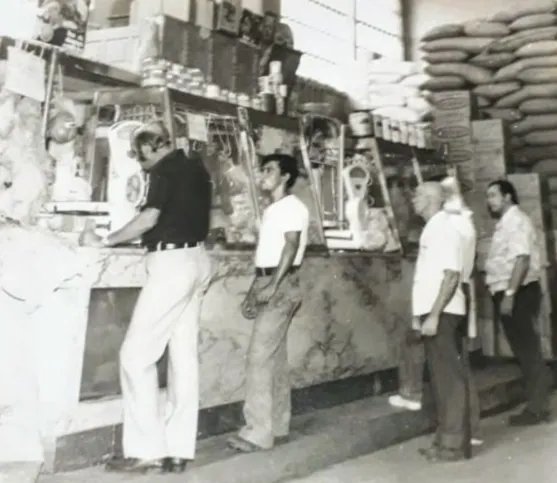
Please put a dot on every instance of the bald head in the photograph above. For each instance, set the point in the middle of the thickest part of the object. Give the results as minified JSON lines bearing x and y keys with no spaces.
{"x":428,"y":199}
{"x":453,"y":201}
{"x":430,"y":190}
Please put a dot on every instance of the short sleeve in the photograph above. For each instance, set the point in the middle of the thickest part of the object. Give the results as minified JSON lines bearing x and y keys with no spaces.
{"x":295,"y":218}
{"x":519,"y":238}
{"x":157,"y":192}
{"x":450,"y":249}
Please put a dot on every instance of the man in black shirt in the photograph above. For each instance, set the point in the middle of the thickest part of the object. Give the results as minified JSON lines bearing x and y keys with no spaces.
{"x":173,"y":224}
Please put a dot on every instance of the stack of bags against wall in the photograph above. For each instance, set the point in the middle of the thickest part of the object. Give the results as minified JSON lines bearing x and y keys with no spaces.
{"x":510,"y":63}
{"x":400,"y":112}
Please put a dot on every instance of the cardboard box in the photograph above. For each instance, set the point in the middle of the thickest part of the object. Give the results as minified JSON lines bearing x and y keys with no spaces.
{"x":533,"y":196}
{"x":452,"y":113}
{"x":489,"y":141}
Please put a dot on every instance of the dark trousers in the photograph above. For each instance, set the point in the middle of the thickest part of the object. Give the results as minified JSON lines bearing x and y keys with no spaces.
{"x":448,"y":381}
{"x":520,"y":331}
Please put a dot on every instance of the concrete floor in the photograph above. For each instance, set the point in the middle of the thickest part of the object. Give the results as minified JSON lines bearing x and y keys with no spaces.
{"x":328,"y":437}
{"x":509,"y":456}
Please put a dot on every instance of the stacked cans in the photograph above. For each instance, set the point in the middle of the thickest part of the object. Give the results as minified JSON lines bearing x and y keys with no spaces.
{"x":399,"y":131}
{"x":162,"y":73}
{"x":153,"y":72}
{"x":272,"y":91}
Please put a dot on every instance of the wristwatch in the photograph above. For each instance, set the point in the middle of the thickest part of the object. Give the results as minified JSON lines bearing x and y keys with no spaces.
{"x":509,"y":292}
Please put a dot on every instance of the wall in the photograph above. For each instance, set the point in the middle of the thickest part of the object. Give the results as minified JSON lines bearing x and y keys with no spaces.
{"x":426,"y":14}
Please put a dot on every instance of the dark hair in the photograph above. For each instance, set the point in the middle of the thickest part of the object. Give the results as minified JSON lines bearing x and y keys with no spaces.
{"x":287,"y":165}
{"x":154,"y":140}
{"x":506,"y":188}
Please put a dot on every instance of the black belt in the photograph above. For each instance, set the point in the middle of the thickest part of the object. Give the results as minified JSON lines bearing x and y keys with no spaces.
{"x":267,"y":272}
{"x":162,"y":246}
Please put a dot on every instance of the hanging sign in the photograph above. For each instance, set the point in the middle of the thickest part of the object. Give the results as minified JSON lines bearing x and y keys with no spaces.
{"x":25,"y":74}
{"x":197,"y":127}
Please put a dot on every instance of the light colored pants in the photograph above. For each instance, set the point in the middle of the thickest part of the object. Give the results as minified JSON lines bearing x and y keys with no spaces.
{"x":267,"y":407}
{"x":167,"y":313}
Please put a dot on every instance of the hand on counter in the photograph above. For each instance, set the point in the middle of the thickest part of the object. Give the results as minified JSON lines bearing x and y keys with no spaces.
{"x":249,"y":306}
{"x":89,"y":238}
{"x":264,"y":294}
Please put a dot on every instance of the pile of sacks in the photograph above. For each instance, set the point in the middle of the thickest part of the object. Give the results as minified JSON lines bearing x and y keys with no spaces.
{"x":390,"y":92}
{"x":510,"y":63}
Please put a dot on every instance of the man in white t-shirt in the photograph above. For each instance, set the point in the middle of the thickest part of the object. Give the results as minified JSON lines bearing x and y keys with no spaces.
{"x":272,"y":301}
{"x":439,"y":302}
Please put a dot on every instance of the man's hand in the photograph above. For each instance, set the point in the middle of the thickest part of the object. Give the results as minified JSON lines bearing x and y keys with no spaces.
{"x":507,"y":305}
{"x":264,"y":294}
{"x":416,"y":324}
{"x":429,"y":327}
{"x":89,"y":238}
{"x":249,"y":307}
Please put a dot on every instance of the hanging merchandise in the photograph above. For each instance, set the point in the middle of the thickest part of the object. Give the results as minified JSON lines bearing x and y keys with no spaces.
{"x":62,"y":115}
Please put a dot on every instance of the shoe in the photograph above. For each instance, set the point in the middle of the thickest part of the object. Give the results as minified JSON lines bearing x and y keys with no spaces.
{"x":174,"y":465}
{"x":400,"y":402}
{"x":133,"y":465}
{"x":429,"y":452}
{"x":529,"y":418}
{"x":243,"y":445}
{"x":437,"y":454}
{"x":282,"y":439}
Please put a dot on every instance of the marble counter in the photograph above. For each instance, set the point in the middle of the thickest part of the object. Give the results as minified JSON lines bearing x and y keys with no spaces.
{"x":354,"y":304}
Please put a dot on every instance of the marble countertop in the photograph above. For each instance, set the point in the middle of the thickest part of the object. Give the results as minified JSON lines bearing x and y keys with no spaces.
{"x":247,"y":251}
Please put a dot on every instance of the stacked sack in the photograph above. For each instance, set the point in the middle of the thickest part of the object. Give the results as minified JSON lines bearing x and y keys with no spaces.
{"x":510,"y":63}
{"x":390,"y":92}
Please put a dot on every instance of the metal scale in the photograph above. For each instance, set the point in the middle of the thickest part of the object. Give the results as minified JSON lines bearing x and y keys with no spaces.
{"x":127,"y":183}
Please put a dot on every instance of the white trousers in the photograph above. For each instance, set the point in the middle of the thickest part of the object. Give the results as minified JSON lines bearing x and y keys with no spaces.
{"x":167,"y":313}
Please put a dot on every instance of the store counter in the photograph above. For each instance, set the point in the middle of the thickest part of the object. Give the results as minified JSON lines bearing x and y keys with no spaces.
{"x":353,"y":305}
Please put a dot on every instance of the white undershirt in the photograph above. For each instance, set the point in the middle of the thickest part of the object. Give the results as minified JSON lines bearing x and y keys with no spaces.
{"x":289,"y":214}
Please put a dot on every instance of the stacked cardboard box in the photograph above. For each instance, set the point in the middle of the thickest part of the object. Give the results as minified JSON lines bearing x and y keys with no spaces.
{"x":488,"y":140}
{"x":452,"y":132}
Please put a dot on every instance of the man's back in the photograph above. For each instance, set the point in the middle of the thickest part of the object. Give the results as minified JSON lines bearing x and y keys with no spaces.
{"x":185,"y":186}
{"x":465,"y":226}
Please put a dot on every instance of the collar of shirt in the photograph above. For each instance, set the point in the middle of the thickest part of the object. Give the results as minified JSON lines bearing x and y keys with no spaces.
{"x":512,"y":211}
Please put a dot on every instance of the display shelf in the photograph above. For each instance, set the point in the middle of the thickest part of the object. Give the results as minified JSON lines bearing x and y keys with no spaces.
{"x":77,"y":67}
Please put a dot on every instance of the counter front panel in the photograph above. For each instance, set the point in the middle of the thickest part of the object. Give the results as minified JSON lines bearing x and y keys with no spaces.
{"x":353,"y":307}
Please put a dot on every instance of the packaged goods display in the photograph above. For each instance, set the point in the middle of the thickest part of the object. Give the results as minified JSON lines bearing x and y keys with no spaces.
{"x":390,"y":93}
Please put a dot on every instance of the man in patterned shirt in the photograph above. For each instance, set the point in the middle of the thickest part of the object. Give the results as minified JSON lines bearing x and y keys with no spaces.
{"x":512,"y":275}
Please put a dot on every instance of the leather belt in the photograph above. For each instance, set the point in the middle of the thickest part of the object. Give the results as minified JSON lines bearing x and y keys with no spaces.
{"x":162,"y":246}
{"x":268,"y":271}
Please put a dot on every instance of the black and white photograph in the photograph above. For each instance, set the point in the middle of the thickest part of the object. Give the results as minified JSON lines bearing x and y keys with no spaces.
{"x":294,"y":241}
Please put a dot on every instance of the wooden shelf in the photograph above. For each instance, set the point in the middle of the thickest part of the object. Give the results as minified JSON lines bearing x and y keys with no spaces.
{"x":215,"y":106}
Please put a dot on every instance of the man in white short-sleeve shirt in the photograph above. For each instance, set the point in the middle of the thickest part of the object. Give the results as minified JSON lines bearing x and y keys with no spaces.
{"x":439,"y":304}
{"x":513,"y":269}
{"x":412,"y":354}
{"x":272,"y":300}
